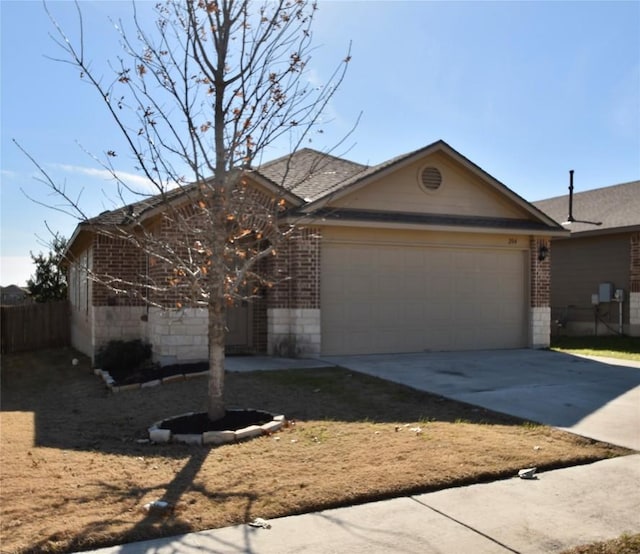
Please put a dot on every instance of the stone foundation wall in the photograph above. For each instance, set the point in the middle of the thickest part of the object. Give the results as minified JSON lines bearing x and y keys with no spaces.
{"x":539,"y":327}
{"x":293,"y":332}
{"x":178,"y":336}
{"x":117,"y":323}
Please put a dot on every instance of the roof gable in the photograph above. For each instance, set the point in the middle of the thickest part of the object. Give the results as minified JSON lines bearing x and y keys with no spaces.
{"x":468,"y":194}
{"x":461,"y":192}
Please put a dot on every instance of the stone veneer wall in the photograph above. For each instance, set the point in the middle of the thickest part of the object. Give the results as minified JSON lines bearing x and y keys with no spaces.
{"x":117,"y":323}
{"x":540,"y":310}
{"x":178,"y":336}
{"x":293,"y":304}
{"x":294,"y":332}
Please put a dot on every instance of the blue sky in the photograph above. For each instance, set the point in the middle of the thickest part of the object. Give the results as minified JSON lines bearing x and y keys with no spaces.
{"x":526,"y":90}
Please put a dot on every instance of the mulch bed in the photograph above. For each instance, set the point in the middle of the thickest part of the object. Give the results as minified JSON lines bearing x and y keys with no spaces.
{"x":200,"y":423}
{"x":153,"y":372}
{"x":195,"y":423}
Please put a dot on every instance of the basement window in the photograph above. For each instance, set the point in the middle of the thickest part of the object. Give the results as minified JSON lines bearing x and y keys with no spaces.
{"x":430,"y":178}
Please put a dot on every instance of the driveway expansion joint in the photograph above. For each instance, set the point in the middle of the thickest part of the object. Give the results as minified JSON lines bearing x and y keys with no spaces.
{"x":466,"y":526}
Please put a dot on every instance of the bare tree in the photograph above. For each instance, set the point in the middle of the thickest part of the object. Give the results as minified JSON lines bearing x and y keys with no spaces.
{"x":197,"y":98}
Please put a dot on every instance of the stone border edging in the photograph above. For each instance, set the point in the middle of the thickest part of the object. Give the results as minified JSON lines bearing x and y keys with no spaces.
{"x":158,"y":435}
{"x":109,"y":381}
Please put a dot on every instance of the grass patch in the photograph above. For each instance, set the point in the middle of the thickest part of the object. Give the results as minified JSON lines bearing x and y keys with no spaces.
{"x":625,"y":544}
{"x":75,"y":477}
{"x":625,"y":348}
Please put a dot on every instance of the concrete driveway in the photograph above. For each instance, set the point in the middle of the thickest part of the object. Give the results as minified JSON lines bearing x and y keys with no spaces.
{"x":594,"y":397}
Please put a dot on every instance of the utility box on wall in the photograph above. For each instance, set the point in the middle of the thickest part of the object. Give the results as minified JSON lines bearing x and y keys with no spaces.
{"x":605,"y":292}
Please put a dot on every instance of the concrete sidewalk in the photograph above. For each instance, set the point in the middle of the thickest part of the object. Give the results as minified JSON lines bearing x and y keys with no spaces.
{"x":561,"y":509}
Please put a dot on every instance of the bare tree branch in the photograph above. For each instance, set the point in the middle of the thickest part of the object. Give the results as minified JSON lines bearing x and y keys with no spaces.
{"x":197,"y":98}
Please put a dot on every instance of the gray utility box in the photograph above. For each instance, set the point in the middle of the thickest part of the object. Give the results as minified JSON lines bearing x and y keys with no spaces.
{"x":605,"y":292}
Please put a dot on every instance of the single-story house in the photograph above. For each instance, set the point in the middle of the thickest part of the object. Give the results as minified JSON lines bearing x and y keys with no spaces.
{"x":423,"y":252}
{"x":600,"y":257}
{"x":13,"y":294}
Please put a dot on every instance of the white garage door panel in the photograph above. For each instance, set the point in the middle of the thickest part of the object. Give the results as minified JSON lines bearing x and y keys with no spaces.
{"x":381,"y":299}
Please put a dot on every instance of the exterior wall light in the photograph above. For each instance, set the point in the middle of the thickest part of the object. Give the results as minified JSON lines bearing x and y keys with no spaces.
{"x":543,"y":252}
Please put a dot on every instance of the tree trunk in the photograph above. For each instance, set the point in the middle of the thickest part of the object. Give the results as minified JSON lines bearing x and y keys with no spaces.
{"x":217,"y":323}
{"x":217,"y":312}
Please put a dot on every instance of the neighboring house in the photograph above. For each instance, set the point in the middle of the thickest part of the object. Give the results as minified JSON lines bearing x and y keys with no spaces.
{"x":597,"y":260}
{"x":424,"y":252}
{"x":13,"y":294}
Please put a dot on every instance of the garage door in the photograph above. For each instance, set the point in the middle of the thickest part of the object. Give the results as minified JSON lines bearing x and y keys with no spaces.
{"x":385,"y":299}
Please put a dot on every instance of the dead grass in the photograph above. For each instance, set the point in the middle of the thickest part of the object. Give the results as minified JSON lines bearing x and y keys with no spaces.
{"x":74,"y":476}
{"x":625,"y":544}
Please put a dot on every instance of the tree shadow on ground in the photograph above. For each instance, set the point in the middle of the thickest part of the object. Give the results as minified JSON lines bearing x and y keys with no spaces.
{"x":74,"y":410}
{"x":162,"y":519}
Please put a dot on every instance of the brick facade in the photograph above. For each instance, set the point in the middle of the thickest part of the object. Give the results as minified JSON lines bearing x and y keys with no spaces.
{"x":114,"y":309}
{"x":259,"y":326}
{"x":293,"y":302}
{"x":166,"y":281}
{"x":540,"y":273}
{"x":634,"y":263}
{"x":540,"y":293}
{"x":285,"y":316}
{"x":296,"y":272}
{"x":117,"y":259}
{"x":634,"y":285}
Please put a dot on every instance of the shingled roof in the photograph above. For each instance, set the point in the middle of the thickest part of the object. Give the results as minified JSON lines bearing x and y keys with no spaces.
{"x":313,"y":177}
{"x":131,"y":212}
{"x":310,"y":174}
{"x":616,"y":207}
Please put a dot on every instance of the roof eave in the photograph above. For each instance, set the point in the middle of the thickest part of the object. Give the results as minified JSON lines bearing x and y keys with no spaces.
{"x":324,"y":222}
{"x":600,"y":231}
{"x":81,"y":227}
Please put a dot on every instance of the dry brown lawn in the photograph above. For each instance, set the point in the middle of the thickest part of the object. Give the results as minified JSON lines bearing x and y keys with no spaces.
{"x":625,"y":544}
{"x":75,"y":476}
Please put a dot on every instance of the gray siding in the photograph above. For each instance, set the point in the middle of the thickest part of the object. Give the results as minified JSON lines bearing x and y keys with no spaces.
{"x":578,"y":266}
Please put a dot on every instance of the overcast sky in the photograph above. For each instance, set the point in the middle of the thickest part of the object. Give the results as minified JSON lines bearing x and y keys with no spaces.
{"x":526,"y":90}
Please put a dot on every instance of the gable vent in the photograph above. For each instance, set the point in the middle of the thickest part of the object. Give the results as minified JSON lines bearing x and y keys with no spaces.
{"x":430,"y":178}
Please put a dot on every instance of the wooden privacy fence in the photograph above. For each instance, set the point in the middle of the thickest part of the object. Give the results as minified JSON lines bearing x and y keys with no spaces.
{"x":34,"y":326}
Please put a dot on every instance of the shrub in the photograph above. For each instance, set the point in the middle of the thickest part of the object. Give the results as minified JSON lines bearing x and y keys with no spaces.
{"x":123,"y":356}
